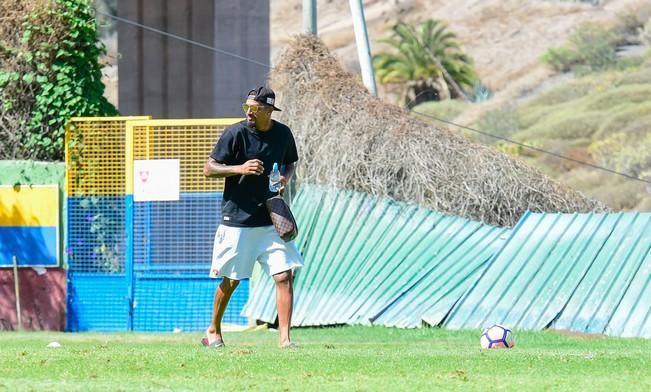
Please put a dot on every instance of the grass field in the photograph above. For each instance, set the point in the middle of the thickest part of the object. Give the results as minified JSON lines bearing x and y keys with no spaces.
{"x":327,"y":359}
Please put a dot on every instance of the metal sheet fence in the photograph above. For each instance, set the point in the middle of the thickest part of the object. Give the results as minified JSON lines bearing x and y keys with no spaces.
{"x":581,"y":272}
{"x":141,"y":265}
{"x":366,"y":257}
{"x":372,"y":261}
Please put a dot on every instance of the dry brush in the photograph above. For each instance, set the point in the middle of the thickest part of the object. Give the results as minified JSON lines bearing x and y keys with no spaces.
{"x":352,"y":140}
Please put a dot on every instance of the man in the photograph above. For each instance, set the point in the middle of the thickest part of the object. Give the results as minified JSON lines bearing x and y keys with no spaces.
{"x":244,"y":155}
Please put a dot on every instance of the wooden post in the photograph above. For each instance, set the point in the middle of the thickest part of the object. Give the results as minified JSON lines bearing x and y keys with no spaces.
{"x":17,"y":290}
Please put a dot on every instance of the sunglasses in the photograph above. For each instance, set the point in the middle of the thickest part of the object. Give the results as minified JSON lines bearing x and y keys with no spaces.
{"x":253,"y":108}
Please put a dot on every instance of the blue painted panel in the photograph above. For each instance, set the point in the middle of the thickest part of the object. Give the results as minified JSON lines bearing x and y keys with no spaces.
{"x":166,"y":303}
{"x":95,"y":240}
{"x":32,"y":245}
{"x":97,"y":302}
{"x":174,"y":232}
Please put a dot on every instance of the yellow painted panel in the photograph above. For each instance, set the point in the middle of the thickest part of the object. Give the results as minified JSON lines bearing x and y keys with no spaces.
{"x":95,"y":155}
{"x":189,"y":140}
{"x":29,"y":205}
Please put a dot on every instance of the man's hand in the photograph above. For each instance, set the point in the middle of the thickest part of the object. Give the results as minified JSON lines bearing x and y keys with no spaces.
{"x":282,"y":181}
{"x":253,"y":166}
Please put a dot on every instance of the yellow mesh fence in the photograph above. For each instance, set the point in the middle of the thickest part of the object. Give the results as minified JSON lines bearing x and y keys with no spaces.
{"x":190,"y":141}
{"x":95,"y":155}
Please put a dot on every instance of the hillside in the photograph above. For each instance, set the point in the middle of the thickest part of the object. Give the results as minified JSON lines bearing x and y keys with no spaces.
{"x":385,"y":151}
{"x":507,"y":39}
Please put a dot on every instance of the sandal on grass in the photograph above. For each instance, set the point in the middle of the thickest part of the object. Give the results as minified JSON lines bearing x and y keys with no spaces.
{"x":214,"y":344}
{"x":289,"y":346}
{"x":217,"y":343}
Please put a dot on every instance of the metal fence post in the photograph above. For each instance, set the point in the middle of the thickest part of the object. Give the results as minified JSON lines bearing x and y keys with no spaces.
{"x":128,"y":224}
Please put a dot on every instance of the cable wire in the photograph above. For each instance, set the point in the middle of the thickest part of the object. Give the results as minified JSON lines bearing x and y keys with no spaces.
{"x":533,"y":148}
{"x":189,"y":41}
{"x":224,"y":52}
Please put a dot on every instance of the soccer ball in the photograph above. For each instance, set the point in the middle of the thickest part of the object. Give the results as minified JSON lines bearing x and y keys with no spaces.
{"x":497,"y":336}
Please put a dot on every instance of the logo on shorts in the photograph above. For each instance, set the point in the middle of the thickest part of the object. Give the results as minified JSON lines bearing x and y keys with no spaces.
{"x":227,"y":218}
{"x":220,"y":235}
{"x":214,"y":272}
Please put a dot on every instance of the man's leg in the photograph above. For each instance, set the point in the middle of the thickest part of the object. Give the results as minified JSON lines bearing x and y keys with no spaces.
{"x":222,"y":296}
{"x":284,"y":303}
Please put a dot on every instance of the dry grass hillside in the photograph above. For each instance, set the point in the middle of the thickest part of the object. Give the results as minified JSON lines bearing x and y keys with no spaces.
{"x":385,"y":151}
{"x":507,"y":39}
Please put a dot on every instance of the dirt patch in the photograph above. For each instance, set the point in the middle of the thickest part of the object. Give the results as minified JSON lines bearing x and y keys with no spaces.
{"x":579,"y":335}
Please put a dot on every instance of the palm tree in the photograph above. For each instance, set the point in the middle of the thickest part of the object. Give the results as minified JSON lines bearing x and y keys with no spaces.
{"x":429,"y":62}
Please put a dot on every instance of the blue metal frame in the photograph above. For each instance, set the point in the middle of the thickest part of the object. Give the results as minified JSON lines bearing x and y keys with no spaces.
{"x":128,"y":257}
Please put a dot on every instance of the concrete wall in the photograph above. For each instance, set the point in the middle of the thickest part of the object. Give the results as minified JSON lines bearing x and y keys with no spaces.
{"x":168,"y":78}
{"x":42,"y":299}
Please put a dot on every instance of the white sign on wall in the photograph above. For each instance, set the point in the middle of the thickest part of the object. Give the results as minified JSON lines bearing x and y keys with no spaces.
{"x":156,"y":180}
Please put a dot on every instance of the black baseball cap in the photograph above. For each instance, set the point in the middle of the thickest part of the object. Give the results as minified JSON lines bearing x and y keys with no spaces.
{"x":263,"y":95}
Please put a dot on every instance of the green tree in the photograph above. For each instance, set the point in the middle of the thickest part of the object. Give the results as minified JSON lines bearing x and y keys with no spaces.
{"x":428,"y":61}
{"x":50,"y":71}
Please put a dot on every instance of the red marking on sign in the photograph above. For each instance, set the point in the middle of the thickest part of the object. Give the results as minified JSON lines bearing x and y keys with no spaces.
{"x":144,"y":175}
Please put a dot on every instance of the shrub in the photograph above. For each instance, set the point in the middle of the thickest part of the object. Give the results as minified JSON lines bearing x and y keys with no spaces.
{"x":630,"y":118}
{"x":645,"y":34}
{"x":565,"y":125}
{"x":448,"y":109}
{"x":49,"y":72}
{"x":620,"y":95}
{"x":591,"y":48}
{"x":624,"y":153}
{"x":561,"y":59}
{"x":502,"y":122}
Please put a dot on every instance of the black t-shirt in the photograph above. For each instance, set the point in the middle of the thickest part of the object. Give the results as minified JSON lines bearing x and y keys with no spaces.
{"x":243,"y":204}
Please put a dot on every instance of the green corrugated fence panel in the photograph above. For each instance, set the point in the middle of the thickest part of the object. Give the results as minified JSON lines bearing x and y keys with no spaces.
{"x":381,"y":263}
{"x":363,"y":255}
{"x":332,"y":261}
{"x":632,"y":317}
{"x":444,"y":280}
{"x":621,"y":258}
{"x":533,"y":276}
{"x":431,"y":242}
{"x":572,"y":268}
{"x":335,"y":262}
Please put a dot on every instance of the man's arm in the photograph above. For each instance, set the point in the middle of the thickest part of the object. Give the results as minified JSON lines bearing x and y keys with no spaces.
{"x":289,"y":171}
{"x":214,"y":169}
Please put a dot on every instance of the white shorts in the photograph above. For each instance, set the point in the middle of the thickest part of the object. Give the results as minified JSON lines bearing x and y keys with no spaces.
{"x":236,"y":250}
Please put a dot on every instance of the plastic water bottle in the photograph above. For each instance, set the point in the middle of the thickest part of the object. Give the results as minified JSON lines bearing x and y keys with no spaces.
{"x":274,"y":179}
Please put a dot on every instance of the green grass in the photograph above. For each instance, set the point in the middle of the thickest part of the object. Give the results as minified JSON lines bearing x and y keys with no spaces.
{"x":576,"y":119}
{"x":350,"y":358}
{"x":447,"y":109}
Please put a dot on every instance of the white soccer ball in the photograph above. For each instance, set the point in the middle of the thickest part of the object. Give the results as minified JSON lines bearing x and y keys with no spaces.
{"x":497,"y":336}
